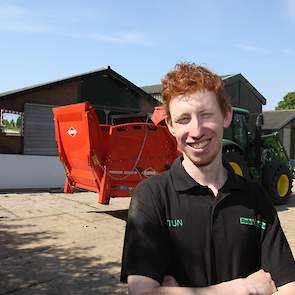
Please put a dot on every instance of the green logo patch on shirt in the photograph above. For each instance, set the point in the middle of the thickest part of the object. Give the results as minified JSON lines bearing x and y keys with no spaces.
{"x":175,"y":222}
{"x":254,"y":222}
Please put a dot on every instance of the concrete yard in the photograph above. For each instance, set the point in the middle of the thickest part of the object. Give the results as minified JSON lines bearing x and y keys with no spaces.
{"x":53,"y":243}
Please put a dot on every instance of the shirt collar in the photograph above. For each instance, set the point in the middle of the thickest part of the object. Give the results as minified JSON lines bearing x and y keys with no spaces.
{"x":182,"y":181}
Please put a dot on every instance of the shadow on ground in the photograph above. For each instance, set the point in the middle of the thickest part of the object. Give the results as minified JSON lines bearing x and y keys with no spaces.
{"x":28,"y":268}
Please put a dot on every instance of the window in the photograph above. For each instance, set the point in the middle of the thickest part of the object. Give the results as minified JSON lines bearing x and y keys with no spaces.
{"x":240,"y":130}
{"x":11,"y":122}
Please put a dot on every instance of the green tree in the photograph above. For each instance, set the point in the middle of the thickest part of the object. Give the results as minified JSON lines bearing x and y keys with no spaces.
{"x":19,"y":122}
{"x":12,"y":124}
{"x":287,"y":103}
{"x":5,"y":122}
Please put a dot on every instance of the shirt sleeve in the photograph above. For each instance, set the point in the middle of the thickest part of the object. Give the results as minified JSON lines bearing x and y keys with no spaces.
{"x":146,"y":249}
{"x":276,"y":255}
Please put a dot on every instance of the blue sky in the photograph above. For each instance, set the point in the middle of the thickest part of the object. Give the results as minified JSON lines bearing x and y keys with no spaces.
{"x":47,"y":40}
{"x":10,"y":117}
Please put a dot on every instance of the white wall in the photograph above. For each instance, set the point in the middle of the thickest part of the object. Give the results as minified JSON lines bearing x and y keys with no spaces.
{"x":26,"y":171}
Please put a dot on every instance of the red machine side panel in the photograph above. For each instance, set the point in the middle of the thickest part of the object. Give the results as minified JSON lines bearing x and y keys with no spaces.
{"x":110,"y":160}
{"x":82,"y":146}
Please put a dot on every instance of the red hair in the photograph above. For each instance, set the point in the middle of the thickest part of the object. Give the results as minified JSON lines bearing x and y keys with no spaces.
{"x":187,"y":78}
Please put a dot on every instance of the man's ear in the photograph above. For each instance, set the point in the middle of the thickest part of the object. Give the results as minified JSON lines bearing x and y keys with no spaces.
{"x":228,"y":117}
{"x":169,"y":125}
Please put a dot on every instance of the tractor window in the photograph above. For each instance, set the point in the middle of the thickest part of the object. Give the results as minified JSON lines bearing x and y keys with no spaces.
{"x":240,"y":131}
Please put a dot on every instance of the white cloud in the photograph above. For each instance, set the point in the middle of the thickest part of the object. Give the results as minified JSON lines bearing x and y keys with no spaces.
{"x":15,"y":18}
{"x":251,"y":48}
{"x":119,"y":38}
{"x":18,"y":19}
{"x":10,"y":11}
{"x":22,"y":27}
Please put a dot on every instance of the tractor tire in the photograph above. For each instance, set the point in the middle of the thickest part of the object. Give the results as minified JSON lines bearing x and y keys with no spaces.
{"x":277,"y":180}
{"x":236,"y":162}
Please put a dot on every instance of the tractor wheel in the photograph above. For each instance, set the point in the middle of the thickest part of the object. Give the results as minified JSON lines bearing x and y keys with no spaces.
{"x":237,"y":162}
{"x":277,"y":180}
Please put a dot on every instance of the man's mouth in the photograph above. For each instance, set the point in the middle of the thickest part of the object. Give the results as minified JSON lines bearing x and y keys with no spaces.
{"x":199,"y":145}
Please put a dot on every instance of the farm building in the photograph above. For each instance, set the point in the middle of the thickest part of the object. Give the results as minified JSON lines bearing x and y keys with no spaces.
{"x":283,"y":122}
{"x":109,"y":92}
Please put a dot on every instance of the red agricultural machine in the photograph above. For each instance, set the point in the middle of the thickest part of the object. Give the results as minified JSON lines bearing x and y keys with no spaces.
{"x":109,"y":159}
{"x":113,"y":159}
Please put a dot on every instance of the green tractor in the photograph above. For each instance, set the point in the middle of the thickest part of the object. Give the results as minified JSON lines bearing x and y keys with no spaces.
{"x":257,"y":156}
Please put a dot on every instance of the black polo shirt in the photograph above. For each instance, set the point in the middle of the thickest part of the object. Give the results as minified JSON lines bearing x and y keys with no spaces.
{"x":178,"y":227}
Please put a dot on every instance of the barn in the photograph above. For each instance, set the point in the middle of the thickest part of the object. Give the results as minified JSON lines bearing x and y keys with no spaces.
{"x":108,"y":91}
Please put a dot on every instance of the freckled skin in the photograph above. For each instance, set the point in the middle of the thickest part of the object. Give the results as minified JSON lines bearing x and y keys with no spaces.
{"x":197,"y":124}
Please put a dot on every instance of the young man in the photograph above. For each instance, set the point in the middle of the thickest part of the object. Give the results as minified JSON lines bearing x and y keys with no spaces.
{"x":198,"y":228}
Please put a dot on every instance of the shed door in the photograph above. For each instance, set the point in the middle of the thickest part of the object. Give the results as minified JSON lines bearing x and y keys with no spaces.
{"x":39,"y":137}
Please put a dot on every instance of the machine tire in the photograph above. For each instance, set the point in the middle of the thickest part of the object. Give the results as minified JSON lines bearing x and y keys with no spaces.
{"x":236,"y":162}
{"x":277,"y":180}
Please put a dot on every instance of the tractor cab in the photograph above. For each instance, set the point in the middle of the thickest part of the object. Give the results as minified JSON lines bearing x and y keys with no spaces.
{"x":237,"y":132}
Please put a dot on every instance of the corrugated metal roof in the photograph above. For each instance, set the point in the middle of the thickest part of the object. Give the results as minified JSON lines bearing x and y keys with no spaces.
{"x":107,"y":70}
{"x":50,"y":82}
{"x":275,"y":120}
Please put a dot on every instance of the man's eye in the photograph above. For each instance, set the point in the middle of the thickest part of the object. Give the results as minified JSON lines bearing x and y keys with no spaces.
{"x":206,"y":115}
{"x":182,"y":120}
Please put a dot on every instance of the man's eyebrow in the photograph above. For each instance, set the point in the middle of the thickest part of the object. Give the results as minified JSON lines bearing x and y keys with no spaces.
{"x":206,"y":112}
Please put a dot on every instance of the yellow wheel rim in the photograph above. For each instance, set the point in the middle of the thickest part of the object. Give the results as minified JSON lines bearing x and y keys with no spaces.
{"x":283,"y":185}
{"x":237,"y":168}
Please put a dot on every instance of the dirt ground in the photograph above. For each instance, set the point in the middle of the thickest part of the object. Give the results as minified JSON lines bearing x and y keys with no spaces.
{"x":53,"y":243}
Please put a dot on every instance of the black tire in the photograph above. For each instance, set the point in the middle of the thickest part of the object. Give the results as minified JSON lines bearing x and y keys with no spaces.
{"x":236,"y":162}
{"x":277,"y":180}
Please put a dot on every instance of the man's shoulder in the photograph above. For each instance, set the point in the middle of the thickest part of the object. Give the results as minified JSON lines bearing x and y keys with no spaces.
{"x":255,"y":187}
{"x":256,"y":192}
{"x":150,"y":195}
{"x":250,"y":184}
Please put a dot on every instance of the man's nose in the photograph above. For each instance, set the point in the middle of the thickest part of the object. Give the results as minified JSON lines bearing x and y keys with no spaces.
{"x":196,"y":128}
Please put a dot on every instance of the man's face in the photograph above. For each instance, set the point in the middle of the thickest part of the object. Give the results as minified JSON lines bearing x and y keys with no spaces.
{"x":197,"y":124}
